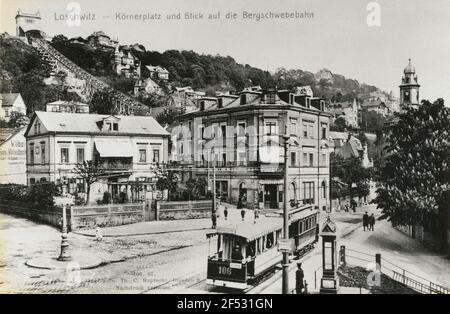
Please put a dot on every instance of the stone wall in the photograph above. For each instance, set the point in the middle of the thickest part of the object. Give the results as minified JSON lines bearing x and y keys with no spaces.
{"x":88,"y":217}
{"x":52,"y":216}
{"x":184,"y":210}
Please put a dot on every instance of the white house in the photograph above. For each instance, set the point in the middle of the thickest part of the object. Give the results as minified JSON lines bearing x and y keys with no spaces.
{"x":10,"y":102}
{"x":127,"y":147}
{"x":158,"y":72}
{"x":13,"y":156}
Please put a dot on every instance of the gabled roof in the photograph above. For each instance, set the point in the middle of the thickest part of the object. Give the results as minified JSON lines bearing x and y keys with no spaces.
{"x":91,"y":123}
{"x":156,"y":68}
{"x":8,"y":99}
{"x":7,"y":133}
{"x":351,"y":148}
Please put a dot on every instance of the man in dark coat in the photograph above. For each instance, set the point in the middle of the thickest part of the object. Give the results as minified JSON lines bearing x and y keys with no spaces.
{"x":299,"y":275}
{"x":371,"y":222}
{"x":365,"y":221}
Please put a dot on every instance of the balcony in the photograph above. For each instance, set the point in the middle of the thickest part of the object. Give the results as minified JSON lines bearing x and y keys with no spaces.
{"x":116,"y":165}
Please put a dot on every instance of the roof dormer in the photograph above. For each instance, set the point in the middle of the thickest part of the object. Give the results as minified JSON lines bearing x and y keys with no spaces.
{"x":110,"y":124}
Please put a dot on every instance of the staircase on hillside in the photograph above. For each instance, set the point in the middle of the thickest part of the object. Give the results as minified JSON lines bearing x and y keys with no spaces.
{"x":123,"y":104}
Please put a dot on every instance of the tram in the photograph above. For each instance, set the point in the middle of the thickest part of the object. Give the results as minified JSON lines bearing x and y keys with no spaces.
{"x":247,"y":251}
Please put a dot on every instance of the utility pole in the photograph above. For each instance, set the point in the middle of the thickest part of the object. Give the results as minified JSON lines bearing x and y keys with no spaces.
{"x":285,"y":264}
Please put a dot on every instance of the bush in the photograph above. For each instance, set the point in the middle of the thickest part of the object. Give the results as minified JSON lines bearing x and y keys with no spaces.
{"x":38,"y":194}
{"x":106,"y":198}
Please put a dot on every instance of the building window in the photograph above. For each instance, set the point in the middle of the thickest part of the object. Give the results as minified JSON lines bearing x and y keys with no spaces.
{"x":324,"y":132}
{"x":305,"y":130}
{"x":31,"y":153}
{"x":311,"y":159}
{"x":294,"y":126}
{"x":311,"y":131}
{"x":224,"y":159}
{"x":241,"y":128}
{"x":202,"y":105}
{"x":308,"y":192}
{"x":32,"y":181}
{"x":223,"y":129}
{"x":270,"y":98}
{"x":142,"y":155}
{"x":64,"y":155}
{"x":324,"y":189}
{"x":156,"y":156}
{"x":219,"y":103}
{"x":271,"y":128}
{"x":293,"y":159}
{"x":80,"y":155}
{"x":115,"y":126}
{"x":43,"y":153}
{"x":305,"y":159}
{"x":202,"y":132}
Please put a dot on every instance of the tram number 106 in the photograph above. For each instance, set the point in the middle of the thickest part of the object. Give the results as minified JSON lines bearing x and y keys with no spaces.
{"x":224,"y":270}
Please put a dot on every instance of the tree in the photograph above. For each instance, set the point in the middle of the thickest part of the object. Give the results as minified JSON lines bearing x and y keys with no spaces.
{"x":89,"y":170}
{"x":196,"y":187}
{"x":168,"y":116}
{"x":352,"y":174}
{"x":415,"y":172}
{"x":339,"y":125}
{"x":167,"y":179}
{"x":102,"y":102}
{"x":372,"y":120}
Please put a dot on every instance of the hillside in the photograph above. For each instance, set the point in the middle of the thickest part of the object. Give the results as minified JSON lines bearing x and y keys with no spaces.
{"x":22,"y":71}
{"x":211,"y":72}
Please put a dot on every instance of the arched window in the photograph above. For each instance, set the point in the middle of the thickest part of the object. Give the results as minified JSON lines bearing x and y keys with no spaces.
{"x":324,"y":189}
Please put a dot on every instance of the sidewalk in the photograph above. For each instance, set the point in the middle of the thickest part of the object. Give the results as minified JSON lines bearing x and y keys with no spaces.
{"x":169,"y":226}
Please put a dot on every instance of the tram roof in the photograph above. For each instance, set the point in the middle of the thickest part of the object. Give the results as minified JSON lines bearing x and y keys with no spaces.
{"x":250,"y":230}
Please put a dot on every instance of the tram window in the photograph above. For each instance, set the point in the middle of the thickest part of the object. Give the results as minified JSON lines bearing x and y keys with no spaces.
{"x":251,"y":249}
{"x":269,"y":241}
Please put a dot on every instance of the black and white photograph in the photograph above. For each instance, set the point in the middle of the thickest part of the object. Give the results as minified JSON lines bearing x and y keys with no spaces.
{"x":223,"y":147}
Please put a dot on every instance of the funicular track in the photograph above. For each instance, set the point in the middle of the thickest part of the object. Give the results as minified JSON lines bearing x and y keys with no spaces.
{"x":123,"y":104}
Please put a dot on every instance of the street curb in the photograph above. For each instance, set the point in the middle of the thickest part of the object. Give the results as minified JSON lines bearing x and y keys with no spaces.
{"x":138,"y":234}
{"x":75,"y":263}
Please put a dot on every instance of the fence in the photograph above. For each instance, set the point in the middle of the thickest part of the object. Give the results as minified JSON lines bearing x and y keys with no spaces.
{"x":88,"y":217}
{"x":396,"y":273}
{"x":184,"y":210}
{"x":50,"y":216}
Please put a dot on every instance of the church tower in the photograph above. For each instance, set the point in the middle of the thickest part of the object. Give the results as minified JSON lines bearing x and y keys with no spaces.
{"x":409,"y":89}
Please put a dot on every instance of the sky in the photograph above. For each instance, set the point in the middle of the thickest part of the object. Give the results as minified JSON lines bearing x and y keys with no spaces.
{"x":337,"y":37}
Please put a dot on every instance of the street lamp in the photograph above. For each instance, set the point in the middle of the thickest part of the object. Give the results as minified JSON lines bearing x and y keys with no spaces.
{"x":329,"y":283}
{"x":285,"y":264}
{"x":214,"y":181}
{"x":64,"y":255}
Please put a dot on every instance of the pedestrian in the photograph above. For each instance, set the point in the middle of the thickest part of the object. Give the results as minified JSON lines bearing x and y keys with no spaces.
{"x":243,"y":214}
{"x":225,"y":212}
{"x":299,"y":275}
{"x":371,"y":222}
{"x":365,"y":221}
{"x":98,"y":234}
{"x":256,"y":214}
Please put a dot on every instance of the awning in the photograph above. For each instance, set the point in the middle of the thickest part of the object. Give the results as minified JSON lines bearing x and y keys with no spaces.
{"x":114,"y":148}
